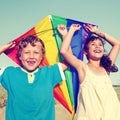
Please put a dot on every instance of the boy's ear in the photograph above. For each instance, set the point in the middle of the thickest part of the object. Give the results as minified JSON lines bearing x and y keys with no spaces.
{"x":19,"y":58}
{"x":43,"y":57}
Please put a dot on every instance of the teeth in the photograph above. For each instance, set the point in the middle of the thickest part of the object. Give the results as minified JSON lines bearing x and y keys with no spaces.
{"x":31,"y":62}
{"x":97,"y":51}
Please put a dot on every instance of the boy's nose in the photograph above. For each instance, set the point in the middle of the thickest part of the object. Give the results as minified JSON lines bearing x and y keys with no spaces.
{"x":31,"y":55}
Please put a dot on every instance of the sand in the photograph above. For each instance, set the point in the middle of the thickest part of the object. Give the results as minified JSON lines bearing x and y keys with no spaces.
{"x":2,"y":113}
{"x":61,"y":112}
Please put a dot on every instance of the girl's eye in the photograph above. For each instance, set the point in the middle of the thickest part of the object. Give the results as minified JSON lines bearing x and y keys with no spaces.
{"x":92,"y":44}
{"x":101,"y":45}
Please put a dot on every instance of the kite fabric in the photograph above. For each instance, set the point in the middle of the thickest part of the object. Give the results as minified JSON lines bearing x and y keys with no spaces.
{"x":66,"y":92}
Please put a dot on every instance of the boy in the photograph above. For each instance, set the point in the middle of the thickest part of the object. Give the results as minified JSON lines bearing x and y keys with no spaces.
{"x":30,"y":88}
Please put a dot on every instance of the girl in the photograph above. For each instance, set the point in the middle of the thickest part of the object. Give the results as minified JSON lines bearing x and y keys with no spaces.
{"x":97,"y":99}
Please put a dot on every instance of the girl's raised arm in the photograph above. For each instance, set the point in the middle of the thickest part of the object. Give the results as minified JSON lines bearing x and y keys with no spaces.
{"x":111,"y":40}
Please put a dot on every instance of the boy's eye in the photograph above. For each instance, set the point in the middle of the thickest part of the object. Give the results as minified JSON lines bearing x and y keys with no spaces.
{"x":26,"y":52}
{"x":36,"y":52}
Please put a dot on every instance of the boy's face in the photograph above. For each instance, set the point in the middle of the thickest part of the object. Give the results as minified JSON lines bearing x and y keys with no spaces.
{"x":31,"y":56}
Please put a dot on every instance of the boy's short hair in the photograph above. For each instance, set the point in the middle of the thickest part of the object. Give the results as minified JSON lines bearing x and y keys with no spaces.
{"x":32,"y":40}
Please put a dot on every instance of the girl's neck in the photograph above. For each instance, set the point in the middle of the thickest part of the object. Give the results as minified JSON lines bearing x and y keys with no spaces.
{"x":94,"y":63}
{"x":96,"y":68}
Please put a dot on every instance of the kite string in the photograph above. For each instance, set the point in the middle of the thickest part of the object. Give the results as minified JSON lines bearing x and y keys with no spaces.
{"x":44,"y":31}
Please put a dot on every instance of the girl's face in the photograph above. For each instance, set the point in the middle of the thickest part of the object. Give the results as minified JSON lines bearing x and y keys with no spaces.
{"x":31,"y":56}
{"x":95,"y":49}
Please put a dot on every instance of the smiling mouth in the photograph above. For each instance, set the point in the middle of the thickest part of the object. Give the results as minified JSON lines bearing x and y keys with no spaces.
{"x":31,"y":62}
{"x":97,"y":51}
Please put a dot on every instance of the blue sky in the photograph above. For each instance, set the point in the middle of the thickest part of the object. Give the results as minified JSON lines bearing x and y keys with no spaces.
{"x":18,"y":16}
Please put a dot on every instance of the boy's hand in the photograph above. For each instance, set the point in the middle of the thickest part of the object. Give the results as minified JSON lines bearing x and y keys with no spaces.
{"x":7,"y":46}
{"x":11,"y":45}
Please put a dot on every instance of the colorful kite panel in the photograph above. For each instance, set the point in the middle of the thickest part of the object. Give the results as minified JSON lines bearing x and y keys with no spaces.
{"x":66,"y":92}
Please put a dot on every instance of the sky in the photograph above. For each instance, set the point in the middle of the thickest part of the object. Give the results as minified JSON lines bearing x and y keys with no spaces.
{"x":18,"y":16}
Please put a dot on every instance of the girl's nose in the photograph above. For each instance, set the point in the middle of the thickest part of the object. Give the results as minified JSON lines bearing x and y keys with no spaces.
{"x":96,"y":46}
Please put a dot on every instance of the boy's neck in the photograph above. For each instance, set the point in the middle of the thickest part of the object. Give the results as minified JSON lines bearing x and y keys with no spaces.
{"x":29,"y":71}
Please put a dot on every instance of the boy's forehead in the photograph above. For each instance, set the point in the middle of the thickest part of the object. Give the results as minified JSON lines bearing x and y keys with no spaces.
{"x":34,"y":43}
{"x":38,"y":43}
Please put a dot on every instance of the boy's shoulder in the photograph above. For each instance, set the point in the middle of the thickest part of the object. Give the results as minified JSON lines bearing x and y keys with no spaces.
{"x":8,"y":68}
{"x":49,"y":66}
{"x":11,"y":67}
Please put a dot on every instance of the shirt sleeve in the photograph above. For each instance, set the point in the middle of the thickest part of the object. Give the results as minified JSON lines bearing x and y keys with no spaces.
{"x":61,"y":71}
{"x":58,"y":74}
{"x":1,"y":73}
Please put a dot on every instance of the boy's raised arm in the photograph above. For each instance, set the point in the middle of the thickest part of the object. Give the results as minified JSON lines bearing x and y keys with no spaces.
{"x":7,"y":46}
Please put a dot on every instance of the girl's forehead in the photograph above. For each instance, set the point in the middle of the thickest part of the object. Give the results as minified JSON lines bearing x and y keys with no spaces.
{"x":96,"y":41}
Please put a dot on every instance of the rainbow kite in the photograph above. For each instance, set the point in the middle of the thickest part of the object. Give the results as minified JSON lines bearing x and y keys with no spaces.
{"x":66,"y":92}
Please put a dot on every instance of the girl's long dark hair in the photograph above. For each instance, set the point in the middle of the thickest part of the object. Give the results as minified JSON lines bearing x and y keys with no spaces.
{"x":105,"y":60}
{"x":107,"y":64}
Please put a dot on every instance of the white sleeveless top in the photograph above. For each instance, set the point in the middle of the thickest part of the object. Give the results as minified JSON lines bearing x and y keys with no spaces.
{"x":97,"y":99}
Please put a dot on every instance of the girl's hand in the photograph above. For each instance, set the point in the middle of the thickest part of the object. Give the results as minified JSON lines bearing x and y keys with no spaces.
{"x":91,"y":28}
{"x":62,"y":30}
{"x":75,"y":27}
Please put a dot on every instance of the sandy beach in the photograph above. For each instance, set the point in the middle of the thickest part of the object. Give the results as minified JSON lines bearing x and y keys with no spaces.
{"x":61,"y":112}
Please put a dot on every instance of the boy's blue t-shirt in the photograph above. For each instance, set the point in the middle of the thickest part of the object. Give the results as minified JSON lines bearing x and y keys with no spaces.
{"x":30,"y":100}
